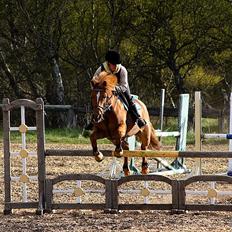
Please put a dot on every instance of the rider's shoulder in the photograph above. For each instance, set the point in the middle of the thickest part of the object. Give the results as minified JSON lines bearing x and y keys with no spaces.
{"x":123,"y":69}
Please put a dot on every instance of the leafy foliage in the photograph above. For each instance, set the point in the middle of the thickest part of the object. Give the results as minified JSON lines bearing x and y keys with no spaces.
{"x":51,"y":49}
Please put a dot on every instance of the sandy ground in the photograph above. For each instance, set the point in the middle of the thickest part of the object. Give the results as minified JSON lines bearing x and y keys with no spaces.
{"x":87,"y":220}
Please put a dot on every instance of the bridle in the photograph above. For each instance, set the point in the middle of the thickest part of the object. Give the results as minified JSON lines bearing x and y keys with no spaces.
{"x":107,"y":106}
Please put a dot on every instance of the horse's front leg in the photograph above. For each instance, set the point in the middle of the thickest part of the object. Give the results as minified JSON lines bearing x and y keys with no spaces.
{"x":93,"y":138}
{"x":118,"y":149}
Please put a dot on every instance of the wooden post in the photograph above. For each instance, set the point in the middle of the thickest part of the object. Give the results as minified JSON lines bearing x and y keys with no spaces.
{"x":41,"y":154}
{"x":198,"y":131}
{"x":6,"y":145}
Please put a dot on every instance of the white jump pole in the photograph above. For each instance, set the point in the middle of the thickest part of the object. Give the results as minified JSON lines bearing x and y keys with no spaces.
{"x":229,"y":173}
{"x":162,"y":109}
{"x":162,"y":99}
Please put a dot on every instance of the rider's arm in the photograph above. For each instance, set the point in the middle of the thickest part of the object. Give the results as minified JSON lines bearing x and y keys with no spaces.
{"x":123,"y":79}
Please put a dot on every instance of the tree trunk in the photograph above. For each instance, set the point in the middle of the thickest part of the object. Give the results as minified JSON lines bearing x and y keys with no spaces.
{"x":58,"y":83}
{"x":58,"y":119}
{"x":179,"y":82}
{"x":8,"y":74}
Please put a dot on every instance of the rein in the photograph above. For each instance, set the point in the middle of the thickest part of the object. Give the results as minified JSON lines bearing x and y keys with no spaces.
{"x":107,"y":107}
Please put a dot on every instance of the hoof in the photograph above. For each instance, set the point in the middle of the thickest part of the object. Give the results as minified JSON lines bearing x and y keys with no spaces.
{"x":99,"y":157}
{"x":145,"y":169}
{"x":118,"y":153}
{"x":126,"y":172}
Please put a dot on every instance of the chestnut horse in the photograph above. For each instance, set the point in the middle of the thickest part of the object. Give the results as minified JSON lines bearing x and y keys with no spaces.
{"x":112,"y":121}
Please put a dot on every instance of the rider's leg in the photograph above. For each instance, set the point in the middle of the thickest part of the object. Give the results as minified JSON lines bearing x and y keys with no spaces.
{"x":133,"y":110}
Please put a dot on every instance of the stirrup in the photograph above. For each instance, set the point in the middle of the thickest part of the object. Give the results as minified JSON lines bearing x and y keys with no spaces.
{"x":141,"y":122}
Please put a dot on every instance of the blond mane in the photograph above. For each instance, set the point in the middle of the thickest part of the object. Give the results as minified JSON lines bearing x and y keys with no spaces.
{"x":105,"y":80}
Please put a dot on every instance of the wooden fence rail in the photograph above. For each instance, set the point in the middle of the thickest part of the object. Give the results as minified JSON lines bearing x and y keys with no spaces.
{"x":112,"y":188}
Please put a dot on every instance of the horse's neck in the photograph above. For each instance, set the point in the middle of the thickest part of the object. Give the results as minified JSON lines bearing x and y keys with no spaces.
{"x":117,"y":105}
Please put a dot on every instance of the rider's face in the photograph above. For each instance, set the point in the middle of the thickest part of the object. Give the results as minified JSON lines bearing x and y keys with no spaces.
{"x":112,"y":67}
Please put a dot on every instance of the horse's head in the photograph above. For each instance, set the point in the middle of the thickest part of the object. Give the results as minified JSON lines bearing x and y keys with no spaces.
{"x":102,"y":92}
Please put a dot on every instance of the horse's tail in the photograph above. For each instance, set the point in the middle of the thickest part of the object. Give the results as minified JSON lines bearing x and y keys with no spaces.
{"x":154,"y":142}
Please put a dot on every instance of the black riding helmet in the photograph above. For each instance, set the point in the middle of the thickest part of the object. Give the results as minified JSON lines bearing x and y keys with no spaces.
{"x":113,"y":57}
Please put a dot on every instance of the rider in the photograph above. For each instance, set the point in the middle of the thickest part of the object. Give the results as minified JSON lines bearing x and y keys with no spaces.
{"x":113,"y":65}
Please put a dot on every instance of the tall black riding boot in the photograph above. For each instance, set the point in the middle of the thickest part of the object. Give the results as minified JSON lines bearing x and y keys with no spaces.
{"x":139,"y":121}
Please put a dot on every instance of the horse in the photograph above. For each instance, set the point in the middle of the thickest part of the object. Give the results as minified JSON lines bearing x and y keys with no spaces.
{"x":112,"y":121}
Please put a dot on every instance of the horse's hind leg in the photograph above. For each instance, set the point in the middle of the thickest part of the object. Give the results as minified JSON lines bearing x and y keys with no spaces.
{"x":125,"y":167}
{"x":119,"y":135}
{"x":144,"y":146}
{"x":145,"y":167}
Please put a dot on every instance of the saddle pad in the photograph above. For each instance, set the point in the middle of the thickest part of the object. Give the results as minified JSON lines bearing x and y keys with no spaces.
{"x":133,"y":99}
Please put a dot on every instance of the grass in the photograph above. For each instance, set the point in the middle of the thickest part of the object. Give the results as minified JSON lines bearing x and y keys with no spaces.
{"x":62,"y":136}
{"x":79,"y":136}
{"x":67,"y":136}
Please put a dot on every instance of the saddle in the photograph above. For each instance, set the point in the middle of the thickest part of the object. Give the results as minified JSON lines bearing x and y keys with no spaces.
{"x":125,"y":103}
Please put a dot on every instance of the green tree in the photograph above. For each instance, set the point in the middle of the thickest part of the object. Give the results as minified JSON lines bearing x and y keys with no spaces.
{"x":177,"y":33}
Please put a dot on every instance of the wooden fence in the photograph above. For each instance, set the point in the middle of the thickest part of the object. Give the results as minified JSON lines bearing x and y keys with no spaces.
{"x":71,"y":116}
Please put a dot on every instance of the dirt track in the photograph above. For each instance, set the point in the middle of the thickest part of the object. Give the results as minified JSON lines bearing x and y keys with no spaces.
{"x":85,"y":220}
